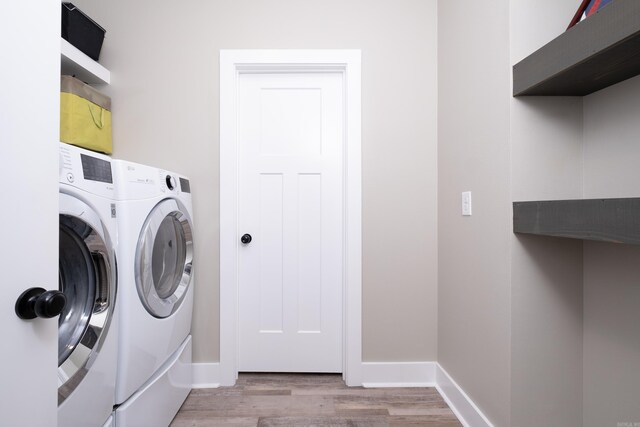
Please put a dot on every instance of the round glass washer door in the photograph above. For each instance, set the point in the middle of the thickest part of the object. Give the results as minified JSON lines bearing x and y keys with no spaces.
{"x":87,"y":275}
{"x":164,"y":257}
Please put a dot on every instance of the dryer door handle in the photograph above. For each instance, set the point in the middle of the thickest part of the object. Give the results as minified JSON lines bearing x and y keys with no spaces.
{"x":38,"y":302}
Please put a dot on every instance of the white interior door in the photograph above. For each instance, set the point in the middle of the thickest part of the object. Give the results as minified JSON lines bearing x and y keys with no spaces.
{"x":29,"y":134}
{"x":290,"y":197}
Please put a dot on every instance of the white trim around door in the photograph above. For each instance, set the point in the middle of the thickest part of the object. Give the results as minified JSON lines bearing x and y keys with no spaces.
{"x":233,"y":63}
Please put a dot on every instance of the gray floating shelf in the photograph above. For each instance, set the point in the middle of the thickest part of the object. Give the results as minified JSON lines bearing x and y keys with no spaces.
{"x":598,"y":52}
{"x":607,"y":220}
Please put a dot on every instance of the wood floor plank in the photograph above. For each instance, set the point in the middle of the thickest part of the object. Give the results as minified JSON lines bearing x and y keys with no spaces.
{"x":323,"y":422}
{"x":362,"y":411}
{"x":423,"y":421}
{"x":360,"y":391}
{"x":247,"y":406}
{"x":210,"y":419}
{"x":422,"y":411}
{"x":312,"y":400}
{"x":220,"y":391}
{"x":266,"y":392}
{"x":412,"y":401}
{"x":292,"y":381}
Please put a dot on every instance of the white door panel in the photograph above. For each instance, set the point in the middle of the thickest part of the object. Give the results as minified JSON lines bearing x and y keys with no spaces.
{"x":29,"y":134}
{"x":290,"y":200}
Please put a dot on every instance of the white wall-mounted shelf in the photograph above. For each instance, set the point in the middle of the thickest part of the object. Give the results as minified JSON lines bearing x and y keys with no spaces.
{"x":76,"y":63}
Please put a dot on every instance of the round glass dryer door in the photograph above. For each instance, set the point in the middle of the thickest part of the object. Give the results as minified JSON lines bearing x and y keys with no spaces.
{"x":164,"y":258}
{"x":87,"y":278}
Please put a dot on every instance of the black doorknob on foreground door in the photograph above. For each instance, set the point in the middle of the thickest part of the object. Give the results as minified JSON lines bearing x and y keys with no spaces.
{"x":38,"y":302}
{"x":246,"y":239}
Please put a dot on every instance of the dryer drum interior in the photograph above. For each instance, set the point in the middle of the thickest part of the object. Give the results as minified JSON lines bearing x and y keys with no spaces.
{"x":164,"y":258}
{"x":86,"y":272}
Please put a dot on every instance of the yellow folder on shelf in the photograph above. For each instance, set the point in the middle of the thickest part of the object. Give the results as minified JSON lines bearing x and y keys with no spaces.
{"x":85,"y":116}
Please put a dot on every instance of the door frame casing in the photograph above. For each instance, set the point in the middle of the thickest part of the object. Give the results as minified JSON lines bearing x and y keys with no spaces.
{"x":233,"y":63}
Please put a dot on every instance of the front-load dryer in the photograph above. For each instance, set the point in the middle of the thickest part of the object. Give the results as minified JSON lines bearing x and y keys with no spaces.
{"x":88,"y":325}
{"x":156,"y":291}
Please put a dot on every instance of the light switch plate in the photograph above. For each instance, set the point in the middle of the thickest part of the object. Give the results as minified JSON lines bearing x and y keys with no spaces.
{"x":466,"y":203}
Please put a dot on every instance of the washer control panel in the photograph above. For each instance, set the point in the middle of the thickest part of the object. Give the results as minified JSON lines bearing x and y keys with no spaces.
{"x":86,"y":170}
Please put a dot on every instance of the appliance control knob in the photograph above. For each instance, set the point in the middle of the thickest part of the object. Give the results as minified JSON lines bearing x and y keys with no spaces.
{"x":171,"y":182}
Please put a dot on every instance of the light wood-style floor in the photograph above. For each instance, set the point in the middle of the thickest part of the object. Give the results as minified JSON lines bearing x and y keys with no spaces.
{"x":305,"y":400}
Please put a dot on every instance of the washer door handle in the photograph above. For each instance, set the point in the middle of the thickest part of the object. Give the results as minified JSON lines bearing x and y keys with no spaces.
{"x":38,"y":302}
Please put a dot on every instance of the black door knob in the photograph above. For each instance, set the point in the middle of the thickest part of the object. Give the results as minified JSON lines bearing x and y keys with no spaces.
{"x":38,"y":302}
{"x":246,"y":239}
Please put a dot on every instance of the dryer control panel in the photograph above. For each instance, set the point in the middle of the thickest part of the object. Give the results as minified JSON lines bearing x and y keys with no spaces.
{"x":175,"y":184}
{"x":168,"y":183}
{"x":139,"y":182}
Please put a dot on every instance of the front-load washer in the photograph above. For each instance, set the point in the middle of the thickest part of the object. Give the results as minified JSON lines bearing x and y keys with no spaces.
{"x":88,"y":325}
{"x":156,"y":285}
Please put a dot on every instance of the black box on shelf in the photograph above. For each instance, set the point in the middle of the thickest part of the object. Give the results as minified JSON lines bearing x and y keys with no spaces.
{"x":81,"y":31}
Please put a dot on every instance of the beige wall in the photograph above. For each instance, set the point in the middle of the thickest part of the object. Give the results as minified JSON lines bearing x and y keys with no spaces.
{"x":612,"y":272}
{"x":164,"y":62}
{"x":546,"y":274}
{"x":473,"y":154}
{"x":546,"y":325}
{"x":611,"y":148}
{"x":510,"y":307}
{"x":611,"y":334}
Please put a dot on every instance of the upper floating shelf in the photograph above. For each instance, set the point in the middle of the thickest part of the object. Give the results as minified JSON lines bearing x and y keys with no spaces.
{"x":606,"y":220}
{"x":597,"y":52}
{"x":76,"y":63}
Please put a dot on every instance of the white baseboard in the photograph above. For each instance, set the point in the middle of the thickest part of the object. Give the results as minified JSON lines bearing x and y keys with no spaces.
{"x":398,"y":374}
{"x":461,"y":405}
{"x":206,"y":375}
